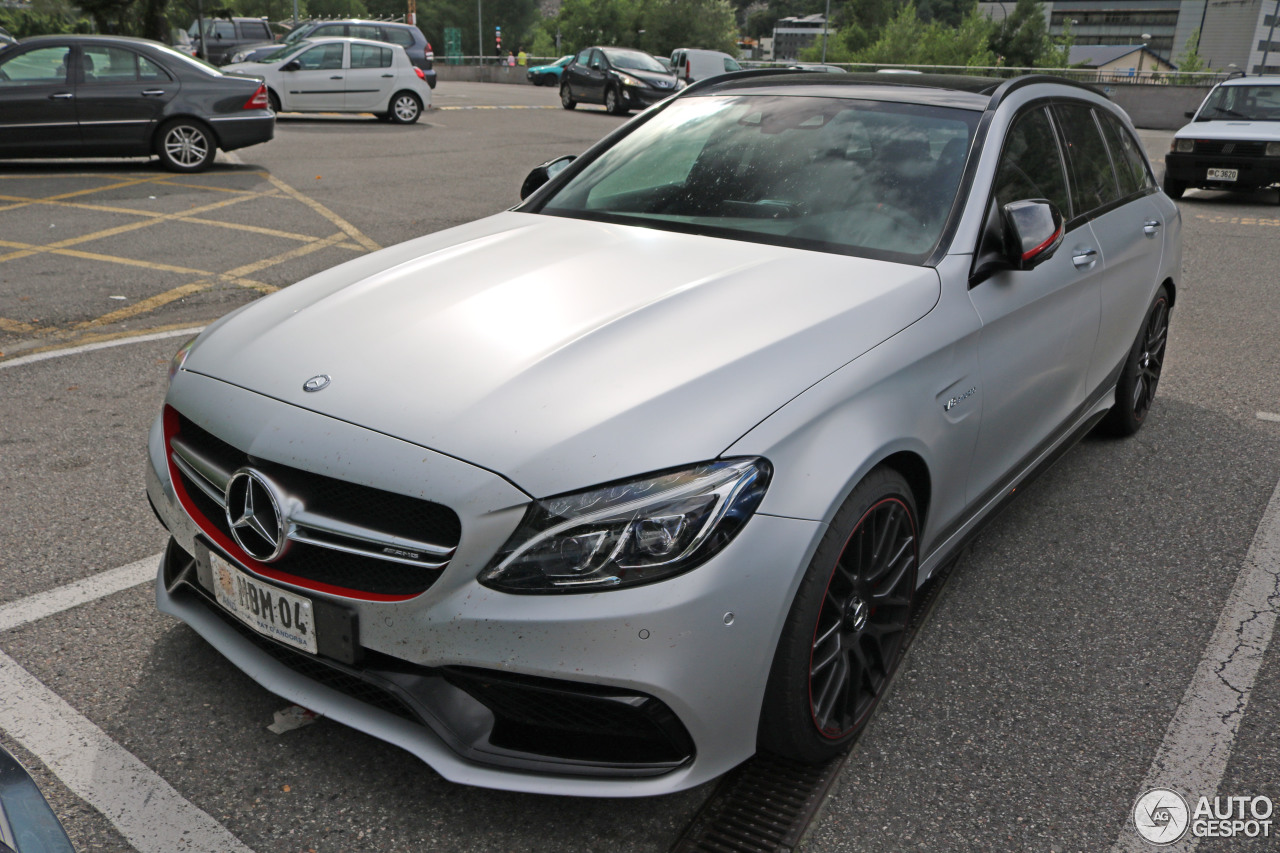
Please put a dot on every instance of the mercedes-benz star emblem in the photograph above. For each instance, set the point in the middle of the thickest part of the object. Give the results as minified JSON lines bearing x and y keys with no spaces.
{"x":317,"y":383}
{"x":253,"y":512}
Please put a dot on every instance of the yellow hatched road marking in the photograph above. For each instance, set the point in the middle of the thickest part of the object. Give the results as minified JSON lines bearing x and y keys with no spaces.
{"x":328,"y":214}
{"x":14,"y":326}
{"x":145,"y":305}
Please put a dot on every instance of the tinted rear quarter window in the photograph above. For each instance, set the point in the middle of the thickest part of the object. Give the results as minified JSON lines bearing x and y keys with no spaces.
{"x":256,"y":30}
{"x":395,"y":35}
{"x":1131,"y":168}
{"x":1092,"y":175}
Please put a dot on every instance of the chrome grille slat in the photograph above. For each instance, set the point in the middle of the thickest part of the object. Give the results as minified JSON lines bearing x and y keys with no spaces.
{"x":298,"y":536}
{"x":346,"y":530}
{"x":198,"y":479}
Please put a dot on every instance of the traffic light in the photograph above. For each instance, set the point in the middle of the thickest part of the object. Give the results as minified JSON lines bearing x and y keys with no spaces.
{"x":497,"y":37}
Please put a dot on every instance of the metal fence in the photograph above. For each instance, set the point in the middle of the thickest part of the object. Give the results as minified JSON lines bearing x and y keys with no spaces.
{"x":1083,"y":75}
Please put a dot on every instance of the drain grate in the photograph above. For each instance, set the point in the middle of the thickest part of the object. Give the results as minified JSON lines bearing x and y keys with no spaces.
{"x":767,"y":804}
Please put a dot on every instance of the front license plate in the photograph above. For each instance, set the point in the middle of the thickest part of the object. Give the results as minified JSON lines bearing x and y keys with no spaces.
{"x":266,"y":609}
{"x":1223,"y":174}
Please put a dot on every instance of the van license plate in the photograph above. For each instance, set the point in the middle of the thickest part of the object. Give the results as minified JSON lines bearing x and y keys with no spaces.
{"x":1223,"y":174}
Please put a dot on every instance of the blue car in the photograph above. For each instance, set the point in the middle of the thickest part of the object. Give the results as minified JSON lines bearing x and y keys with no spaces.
{"x":548,"y":75}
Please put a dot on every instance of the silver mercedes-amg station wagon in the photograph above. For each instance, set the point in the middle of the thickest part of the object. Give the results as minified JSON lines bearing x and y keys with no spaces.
{"x":602,"y":494}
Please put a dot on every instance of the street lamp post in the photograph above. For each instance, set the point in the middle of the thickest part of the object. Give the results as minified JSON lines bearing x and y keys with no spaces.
{"x":826,"y":24}
{"x":1146,"y":37}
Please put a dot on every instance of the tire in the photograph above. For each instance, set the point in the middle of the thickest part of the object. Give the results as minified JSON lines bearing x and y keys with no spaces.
{"x":566,"y":97}
{"x":846,"y":631}
{"x":1136,"y":388}
{"x":273,"y":101}
{"x":613,"y":104}
{"x":186,"y":145}
{"x":1173,"y":189}
{"x":404,"y":108}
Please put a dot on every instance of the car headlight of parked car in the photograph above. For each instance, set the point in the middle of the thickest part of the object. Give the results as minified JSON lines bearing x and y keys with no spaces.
{"x":1184,"y":146}
{"x":628,"y":80}
{"x":629,"y":533}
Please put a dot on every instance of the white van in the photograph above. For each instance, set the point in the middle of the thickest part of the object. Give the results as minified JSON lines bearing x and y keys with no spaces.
{"x":691,"y":64}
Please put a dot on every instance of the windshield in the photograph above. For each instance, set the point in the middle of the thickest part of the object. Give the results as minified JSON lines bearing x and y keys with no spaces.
{"x":1250,"y":103}
{"x":634,"y":60}
{"x":277,"y":53}
{"x":832,"y":174}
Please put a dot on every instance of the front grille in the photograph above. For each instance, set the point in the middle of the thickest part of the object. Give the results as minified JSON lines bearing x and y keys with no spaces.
{"x":344,"y":535}
{"x":1240,"y":149}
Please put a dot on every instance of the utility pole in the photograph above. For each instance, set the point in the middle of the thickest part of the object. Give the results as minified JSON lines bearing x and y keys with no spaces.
{"x":479,"y":35}
{"x":826,"y":25}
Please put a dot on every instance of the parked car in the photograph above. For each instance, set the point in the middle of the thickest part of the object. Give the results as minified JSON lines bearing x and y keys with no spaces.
{"x":621,"y":78}
{"x":221,"y":37}
{"x":1232,"y":142}
{"x":548,"y":75}
{"x":110,"y":96}
{"x":601,"y":494}
{"x":407,"y":36}
{"x":27,"y":824}
{"x":691,"y":65}
{"x":343,"y":75}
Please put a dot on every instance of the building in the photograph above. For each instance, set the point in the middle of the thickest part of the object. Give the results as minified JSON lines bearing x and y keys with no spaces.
{"x":1112,"y":61}
{"x":791,"y":35}
{"x":1235,"y":34}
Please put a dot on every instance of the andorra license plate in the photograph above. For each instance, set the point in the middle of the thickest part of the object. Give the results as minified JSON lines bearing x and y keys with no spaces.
{"x":1223,"y":174}
{"x":266,"y":609}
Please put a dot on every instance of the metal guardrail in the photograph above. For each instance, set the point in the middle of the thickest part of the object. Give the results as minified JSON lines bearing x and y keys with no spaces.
{"x":1082,"y":75}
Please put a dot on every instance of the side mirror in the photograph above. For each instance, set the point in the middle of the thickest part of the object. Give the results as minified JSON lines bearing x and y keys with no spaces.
{"x":541,"y":174}
{"x":595,"y":66}
{"x":1033,"y":232}
{"x":292,"y":65}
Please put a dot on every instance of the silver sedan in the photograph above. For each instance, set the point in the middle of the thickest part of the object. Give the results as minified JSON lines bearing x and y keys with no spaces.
{"x":602,"y":494}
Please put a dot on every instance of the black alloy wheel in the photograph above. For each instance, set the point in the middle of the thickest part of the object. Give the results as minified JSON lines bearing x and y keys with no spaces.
{"x":847,"y":628}
{"x":1136,"y":388}
{"x":566,"y":97}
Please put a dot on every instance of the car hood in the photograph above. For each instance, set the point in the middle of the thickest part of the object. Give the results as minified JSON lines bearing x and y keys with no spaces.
{"x":250,"y":69}
{"x":563,"y":353}
{"x":1231,"y":129}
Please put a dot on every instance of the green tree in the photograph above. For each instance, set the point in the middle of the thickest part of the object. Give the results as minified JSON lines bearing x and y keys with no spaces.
{"x":583,"y":23}
{"x":1021,"y":39}
{"x":670,"y":24}
{"x":1190,"y":61}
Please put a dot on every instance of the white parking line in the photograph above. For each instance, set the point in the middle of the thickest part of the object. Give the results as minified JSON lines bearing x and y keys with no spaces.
{"x":1268,"y":416}
{"x":118,"y":342}
{"x":147,"y":811}
{"x":1193,"y":757}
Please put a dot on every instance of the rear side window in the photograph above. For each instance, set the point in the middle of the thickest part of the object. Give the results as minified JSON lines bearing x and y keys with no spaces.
{"x":255,"y":30}
{"x":1093,"y":178}
{"x":364,"y":31}
{"x":368,"y":56}
{"x":730,"y":64}
{"x":1131,"y":168}
{"x":330,"y":31}
{"x":395,"y":35}
{"x":1031,"y":163}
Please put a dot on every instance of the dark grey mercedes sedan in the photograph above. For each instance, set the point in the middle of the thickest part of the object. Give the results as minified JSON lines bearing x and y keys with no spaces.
{"x":108,"y":96}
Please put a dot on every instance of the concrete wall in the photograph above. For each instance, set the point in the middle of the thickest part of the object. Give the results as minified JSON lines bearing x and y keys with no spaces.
{"x":480,"y":73}
{"x":1156,"y":107}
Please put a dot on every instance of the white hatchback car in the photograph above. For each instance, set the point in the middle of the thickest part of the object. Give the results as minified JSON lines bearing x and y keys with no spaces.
{"x":343,"y":75}
{"x":1232,"y":142}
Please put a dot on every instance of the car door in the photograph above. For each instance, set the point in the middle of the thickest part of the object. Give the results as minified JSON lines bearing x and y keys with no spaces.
{"x":370,"y":77}
{"x":120,"y":96}
{"x":575,"y":73}
{"x":1039,"y":326}
{"x":318,"y":82}
{"x":37,"y":102}
{"x":1130,"y":238}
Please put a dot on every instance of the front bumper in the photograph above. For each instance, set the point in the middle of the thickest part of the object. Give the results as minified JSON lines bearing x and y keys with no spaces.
{"x":669,"y":649}
{"x":636,"y":98}
{"x":1192,"y":170}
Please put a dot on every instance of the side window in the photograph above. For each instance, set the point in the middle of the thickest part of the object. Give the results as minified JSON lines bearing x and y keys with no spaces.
{"x":1031,"y":163}
{"x":597,"y":59}
{"x":1131,"y":168}
{"x":1093,"y":179}
{"x":584,"y":58}
{"x":108,"y":64}
{"x":223,"y":30}
{"x":321,"y":58}
{"x":330,"y":31}
{"x":149,"y":71}
{"x":395,"y":35}
{"x":41,"y":67}
{"x":369,"y":56}
{"x":731,"y":64}
{"x":256,"y":30}
{"x":365,"y":31}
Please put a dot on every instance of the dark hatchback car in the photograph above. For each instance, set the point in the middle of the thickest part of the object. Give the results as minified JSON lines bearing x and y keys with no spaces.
{"x":407,"y":36}
{"x":223,"y":36}
{"x":621,"y":78}
{"x":109,"y":96}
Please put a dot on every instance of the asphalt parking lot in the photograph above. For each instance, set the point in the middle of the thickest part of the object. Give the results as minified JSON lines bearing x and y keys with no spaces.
{"x":1041,"y":698}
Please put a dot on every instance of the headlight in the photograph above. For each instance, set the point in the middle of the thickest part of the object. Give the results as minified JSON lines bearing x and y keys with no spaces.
{"x":628,"y":80}
{"x":1273,"y":149}
{"x":238,"y":57}
{"x":180,"y":358}
{"x":629,"y":533}
{"x":1184,"y":146}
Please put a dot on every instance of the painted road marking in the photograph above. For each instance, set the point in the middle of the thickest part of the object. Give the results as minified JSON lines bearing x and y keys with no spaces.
{"x":328,"y":214}
{"x":147,"y":811}
{"x":106,"y":342}
{"x":1193,"y":757}
{"x":1220,"y":219}
{"x":486,"y":107}
{"x":1268,"y":416}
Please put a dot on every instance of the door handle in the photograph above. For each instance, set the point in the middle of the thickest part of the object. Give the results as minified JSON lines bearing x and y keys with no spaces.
{"x":388,"y":75}
{"x":1150,"y":227}
{"x":1084,"y":257}
{"x":336,"y":77}
{"x":61,"y":96}
{"x":152,"y":93}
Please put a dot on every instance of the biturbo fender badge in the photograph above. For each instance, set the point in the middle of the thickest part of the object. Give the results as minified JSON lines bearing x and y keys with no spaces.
{"x":955,"y":401}
{"x":317,"y":383}
{"x":253,"y":514}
